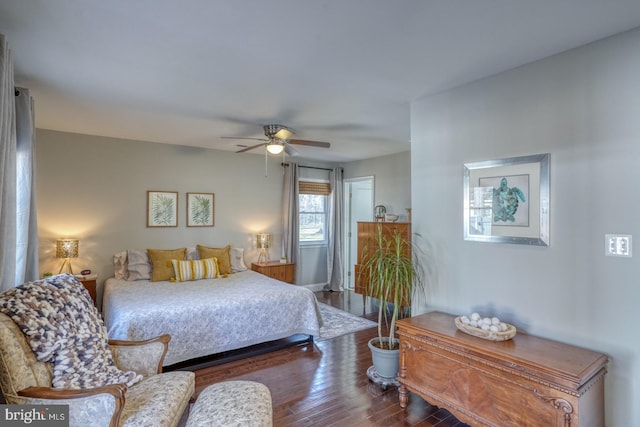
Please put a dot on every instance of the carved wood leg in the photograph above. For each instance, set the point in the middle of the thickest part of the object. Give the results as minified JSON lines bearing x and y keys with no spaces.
{"x":404,"y":396}
{"x":402,"y":373}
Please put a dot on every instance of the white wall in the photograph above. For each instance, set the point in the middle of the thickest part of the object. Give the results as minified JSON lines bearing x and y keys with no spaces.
{"x":582,"y":107}
{"x":95,"y":189}
{"x":392,"y":179}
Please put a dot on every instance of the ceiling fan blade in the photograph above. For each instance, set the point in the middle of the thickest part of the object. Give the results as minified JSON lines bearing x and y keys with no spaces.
{"x":250,"y":148}
{"x":309,"y":143}
{"x":290,"y":150}
{"x":239,"y":137}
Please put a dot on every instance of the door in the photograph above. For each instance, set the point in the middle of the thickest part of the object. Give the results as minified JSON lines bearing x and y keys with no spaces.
{"x":358,"y":204}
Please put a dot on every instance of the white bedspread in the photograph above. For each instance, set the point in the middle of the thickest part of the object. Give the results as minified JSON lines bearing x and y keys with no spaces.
{"x":206,"y":317}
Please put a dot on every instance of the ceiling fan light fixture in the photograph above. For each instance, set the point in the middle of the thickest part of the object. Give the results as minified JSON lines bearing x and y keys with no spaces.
{"x":275,"y":147}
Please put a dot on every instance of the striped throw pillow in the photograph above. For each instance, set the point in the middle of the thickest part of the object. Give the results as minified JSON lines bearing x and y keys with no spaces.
{"x":195,"y":269}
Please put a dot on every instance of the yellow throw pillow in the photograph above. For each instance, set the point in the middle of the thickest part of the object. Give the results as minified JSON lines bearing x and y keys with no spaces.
{"x":161,"y":267}
{"x":195,"y":269}
{"x":222,"y":254}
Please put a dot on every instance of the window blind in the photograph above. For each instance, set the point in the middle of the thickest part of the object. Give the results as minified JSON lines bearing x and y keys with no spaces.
{"x":314,"y":187}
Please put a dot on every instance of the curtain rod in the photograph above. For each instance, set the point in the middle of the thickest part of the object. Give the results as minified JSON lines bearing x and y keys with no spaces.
{"x":315,"y":167}
{"x":308,"y":167}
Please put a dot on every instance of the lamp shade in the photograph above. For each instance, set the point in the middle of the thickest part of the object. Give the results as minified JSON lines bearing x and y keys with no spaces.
{"x":263,"y":241}
{"x":67,"y":248}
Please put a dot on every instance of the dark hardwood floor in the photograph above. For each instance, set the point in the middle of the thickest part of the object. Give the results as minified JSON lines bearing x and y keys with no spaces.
{"x":325,"y":383}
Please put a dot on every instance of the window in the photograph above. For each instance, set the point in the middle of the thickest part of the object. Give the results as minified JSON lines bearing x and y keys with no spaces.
{"x":313,"y":218}
{"x":313,"y":203}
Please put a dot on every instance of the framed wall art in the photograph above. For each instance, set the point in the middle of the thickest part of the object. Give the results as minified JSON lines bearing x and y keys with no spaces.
{"x":200,"y":209}
{"x":507,"y":200}
{"x":162,"y":208}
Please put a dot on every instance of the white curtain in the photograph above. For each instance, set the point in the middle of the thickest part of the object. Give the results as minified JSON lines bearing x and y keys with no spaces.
{"x":290,"y":234}
{"x":335,"y":231}
{"x":26,"y":220}
{"x":18,"y":231}
{"x":7,"y":169}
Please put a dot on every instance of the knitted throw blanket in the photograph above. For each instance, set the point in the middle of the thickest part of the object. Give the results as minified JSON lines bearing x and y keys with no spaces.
{"x":63,"y":327}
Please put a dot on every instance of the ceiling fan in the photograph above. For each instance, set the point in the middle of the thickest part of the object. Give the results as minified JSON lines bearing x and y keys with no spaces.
{"x":279,"y":139}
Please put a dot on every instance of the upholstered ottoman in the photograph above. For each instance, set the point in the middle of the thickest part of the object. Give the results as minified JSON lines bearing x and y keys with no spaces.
{"x":232,"y":403}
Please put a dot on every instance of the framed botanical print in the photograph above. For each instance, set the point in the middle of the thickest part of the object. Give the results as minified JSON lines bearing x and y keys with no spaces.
{"x":162,"y":208}
{"x":200,"y":209}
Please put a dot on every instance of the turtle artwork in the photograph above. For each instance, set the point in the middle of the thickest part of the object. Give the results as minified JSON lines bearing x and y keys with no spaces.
{"x":505,"y":202}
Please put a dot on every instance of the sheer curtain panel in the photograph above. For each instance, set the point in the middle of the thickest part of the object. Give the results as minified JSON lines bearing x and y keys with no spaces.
{"x":14,"y":190}
{"x":26,"y":222}
{"x":335,"y":232}
{"x":7,"y":169}
{"x":290,"y":218}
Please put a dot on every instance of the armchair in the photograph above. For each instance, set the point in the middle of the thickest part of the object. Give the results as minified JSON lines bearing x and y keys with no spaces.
{"x":159,"y":399}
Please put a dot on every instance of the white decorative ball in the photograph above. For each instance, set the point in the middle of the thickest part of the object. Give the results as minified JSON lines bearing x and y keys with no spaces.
{"x":494,"y":328}
{"x":473,"y":323}
{"x":475,"y":316}
{"x":495,"y":321}
{"x":465,"y":320}
{"x":485,"y":327}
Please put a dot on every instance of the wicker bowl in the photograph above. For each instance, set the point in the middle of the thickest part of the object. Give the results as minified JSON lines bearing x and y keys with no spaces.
{"x":487,"y":335}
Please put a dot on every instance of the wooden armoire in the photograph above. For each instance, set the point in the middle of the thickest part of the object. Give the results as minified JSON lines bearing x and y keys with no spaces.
{"x":367,"y":237}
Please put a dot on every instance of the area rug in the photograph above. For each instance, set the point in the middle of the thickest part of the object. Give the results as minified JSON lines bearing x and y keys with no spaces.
{"x":338,"y":322}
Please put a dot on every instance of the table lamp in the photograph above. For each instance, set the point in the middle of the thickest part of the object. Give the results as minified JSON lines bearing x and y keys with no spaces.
{"x":263,"y":242}
{"x":67,"y":249}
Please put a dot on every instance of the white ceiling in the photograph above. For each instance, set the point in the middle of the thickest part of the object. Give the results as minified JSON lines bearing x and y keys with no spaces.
{"x":342,"y":71}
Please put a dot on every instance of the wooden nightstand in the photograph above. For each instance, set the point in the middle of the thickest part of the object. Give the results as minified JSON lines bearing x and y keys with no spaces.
{"x":89,"y":283}
{"x":276,"y":270}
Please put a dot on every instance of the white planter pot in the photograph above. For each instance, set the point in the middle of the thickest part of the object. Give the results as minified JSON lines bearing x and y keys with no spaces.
{"x":385,"y":361}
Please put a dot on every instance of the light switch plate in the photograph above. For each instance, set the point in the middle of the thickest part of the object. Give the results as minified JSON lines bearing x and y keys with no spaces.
{"x":618,"y":245}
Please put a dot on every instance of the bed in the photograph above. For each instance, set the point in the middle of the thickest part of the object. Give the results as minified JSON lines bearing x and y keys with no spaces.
{"x":209,"y":316}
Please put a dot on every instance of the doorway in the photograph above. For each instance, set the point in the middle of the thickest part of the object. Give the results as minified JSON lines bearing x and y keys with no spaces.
{"x":358,"y":206}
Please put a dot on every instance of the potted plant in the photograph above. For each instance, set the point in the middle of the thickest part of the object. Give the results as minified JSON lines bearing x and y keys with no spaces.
{"x":392,"y":271}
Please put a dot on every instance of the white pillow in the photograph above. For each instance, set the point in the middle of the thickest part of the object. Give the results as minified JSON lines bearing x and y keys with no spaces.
{"x":192,"y":253}
{"x":139,"y":265}
{"x":120,"y":265}
{"x":237,"y":259}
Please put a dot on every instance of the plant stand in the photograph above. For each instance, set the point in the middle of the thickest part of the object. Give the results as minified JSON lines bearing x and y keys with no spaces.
{"x":384,"y":382}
